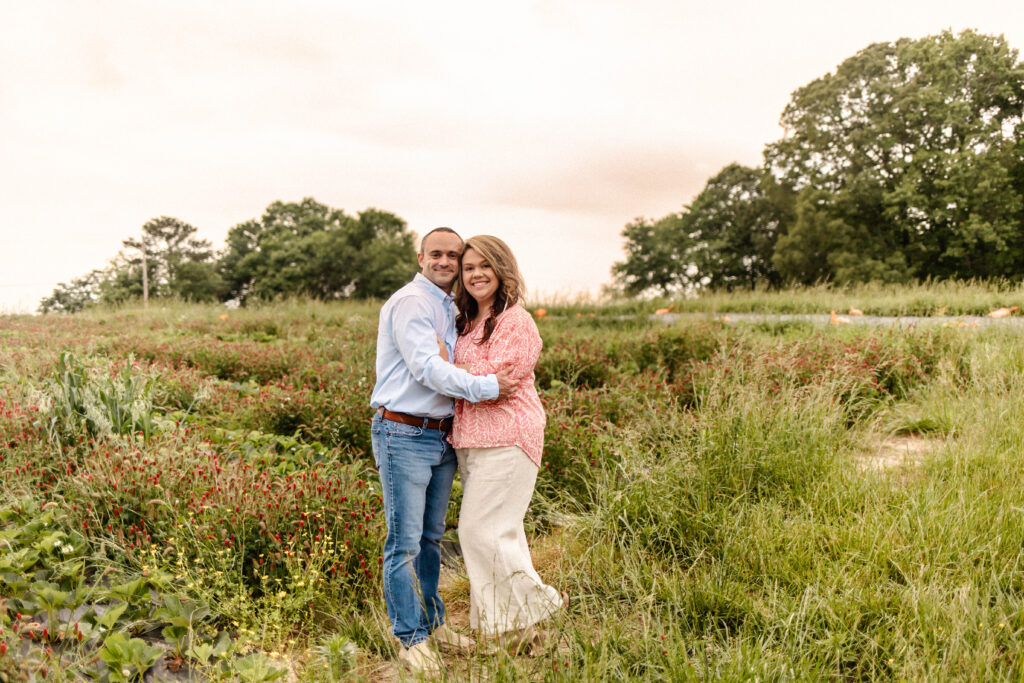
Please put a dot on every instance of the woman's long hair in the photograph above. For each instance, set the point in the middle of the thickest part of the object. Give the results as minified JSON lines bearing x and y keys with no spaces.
{"x":510,"y":284}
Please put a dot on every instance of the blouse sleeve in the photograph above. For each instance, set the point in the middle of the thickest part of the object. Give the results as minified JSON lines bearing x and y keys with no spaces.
{"x":515,"y":342}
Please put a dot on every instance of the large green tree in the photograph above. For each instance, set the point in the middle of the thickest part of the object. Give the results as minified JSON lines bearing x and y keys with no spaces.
{"x":177,"y":265}
{"x":917,"y":142}
{"x":177,"y":262}
{"x":308,"y":248}
{"x":656,"y":257}
{"x":733,"y":225}
{"x":725,"y":238}
{"x":76,"y":295}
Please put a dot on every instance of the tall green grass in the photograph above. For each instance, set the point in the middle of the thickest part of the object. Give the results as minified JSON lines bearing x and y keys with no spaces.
{"x":705,"y":502}
{"x":948,"y":298}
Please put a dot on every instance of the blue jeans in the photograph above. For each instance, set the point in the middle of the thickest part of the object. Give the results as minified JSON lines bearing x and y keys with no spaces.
{"x":417,"y":467}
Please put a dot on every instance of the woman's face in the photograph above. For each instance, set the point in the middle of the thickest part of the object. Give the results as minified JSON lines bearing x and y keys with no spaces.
{"x":479,"y":278}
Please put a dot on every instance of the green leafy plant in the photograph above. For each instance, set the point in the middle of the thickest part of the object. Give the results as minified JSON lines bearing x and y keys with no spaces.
{"x":128,"y":659}
{"x":49,"y":596}
{"x":85,"y":402}
{"x":203,"y":652}
{"x":338,"y":654}
{"x":182,"y":617}
{"x":255,"y":668}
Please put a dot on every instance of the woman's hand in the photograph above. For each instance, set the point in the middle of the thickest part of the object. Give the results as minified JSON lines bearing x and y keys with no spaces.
{"x":442,"y":349}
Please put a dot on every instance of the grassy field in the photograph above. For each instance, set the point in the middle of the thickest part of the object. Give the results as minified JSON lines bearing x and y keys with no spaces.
{"x":188,"y":492}
{"x":927,"y":299}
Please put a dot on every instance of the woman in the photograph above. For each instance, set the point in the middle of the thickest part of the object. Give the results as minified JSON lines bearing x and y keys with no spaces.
{"x":498,"y":444}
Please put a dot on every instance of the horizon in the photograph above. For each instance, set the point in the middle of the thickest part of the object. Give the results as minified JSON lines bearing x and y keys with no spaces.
{"x":551,"y":126}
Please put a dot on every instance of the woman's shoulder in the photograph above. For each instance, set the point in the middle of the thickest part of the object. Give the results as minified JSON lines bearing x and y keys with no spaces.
{"x":518,"y":316}
{"x":518,"y":320}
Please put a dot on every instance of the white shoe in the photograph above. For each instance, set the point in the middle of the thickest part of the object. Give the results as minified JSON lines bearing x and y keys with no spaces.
{"x":421,"y":658}
{"x":447,"y":639}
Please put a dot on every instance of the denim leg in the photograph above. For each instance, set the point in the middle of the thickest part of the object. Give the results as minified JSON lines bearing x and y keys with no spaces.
{"x":408,"y":458}
{"x":428,"y":564}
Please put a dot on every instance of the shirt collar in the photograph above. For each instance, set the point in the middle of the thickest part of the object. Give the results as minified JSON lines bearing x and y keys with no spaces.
{"x":434,"y":291}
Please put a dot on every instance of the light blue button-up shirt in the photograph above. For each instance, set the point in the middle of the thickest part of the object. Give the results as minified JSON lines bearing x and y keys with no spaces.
{"x":412,"y":377}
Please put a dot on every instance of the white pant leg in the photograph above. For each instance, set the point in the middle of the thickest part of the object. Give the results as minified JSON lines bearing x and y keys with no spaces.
{"x":505,"y":591}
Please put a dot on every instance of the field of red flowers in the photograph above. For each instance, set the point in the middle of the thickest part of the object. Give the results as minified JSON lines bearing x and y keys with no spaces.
{"x":189,"y":492}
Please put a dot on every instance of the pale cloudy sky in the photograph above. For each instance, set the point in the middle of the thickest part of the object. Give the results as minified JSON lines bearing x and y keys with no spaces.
{"x":548,"y":123}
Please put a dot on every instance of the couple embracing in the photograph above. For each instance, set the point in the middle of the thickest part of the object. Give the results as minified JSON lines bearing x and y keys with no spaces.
{"x":455,"y":358}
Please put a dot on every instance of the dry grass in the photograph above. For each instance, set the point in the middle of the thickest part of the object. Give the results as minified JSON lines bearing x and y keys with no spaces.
{"x":902,"y":450}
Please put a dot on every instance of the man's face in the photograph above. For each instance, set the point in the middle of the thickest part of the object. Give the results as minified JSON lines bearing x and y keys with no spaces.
{"x":440,"y":258}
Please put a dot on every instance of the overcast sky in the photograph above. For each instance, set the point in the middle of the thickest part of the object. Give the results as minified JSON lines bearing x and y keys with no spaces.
{"x":550,"y":124}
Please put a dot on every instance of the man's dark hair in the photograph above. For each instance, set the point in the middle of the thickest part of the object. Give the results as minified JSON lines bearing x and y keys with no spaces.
{"x":442,"y":229}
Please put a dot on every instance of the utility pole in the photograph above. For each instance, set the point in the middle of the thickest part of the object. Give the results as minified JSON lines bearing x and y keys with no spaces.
{"x":145,"y":279}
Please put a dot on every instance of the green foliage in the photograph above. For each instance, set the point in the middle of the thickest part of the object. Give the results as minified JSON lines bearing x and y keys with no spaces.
{"x":85,"y":402}
{"x":656,"y":256}
{"x":915,"y":143}
{"x":338,"y":654}
{"x":734,"y":224}
{"x":704,"y":495}
{"x":295,"y":249}
{"x":75,"y":296}
{"x":906,"y":163}
{"x":127,"y":659}
{"x":308,"y":248}
{"x":254,"y":668}
{"x":178,"y":264}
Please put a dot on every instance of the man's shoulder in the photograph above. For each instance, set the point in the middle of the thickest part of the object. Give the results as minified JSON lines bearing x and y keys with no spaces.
{"x":410,"y":288}
{"x":411,"y":299}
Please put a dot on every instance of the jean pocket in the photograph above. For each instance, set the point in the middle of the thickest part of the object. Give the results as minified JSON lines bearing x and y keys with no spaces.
{"x":402,"y":429}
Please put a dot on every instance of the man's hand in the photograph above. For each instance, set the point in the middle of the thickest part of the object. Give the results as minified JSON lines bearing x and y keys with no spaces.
{"x":442,"y":348}
{"x":506,"y":383}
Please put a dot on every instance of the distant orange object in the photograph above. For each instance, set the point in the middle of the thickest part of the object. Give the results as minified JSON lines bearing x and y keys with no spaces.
{"x":663,"y":311}
{"x":838,"y":319}
{"x":1002,"y":312}
{"x":855,"y":311}
{"x":541,"y":312}
{"x":223,"y":316}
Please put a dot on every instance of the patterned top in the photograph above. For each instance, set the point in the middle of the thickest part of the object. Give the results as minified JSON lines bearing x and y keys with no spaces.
{"x":519,"y":419}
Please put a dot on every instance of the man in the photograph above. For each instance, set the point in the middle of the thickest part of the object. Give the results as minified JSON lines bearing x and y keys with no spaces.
{"x":412,"y":397}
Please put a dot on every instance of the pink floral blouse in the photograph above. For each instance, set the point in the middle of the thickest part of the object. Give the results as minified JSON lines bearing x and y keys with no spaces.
{"x":519,"y":419}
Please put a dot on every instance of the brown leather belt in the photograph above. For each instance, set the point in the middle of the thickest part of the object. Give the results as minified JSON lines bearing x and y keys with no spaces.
{"x":444,"y":425}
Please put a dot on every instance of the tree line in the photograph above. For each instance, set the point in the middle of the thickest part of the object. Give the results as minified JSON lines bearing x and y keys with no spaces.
{"x":906,"y":164}
{"x":295,"y":249}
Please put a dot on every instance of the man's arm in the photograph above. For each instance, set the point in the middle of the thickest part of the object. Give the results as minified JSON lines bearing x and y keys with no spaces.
{"x":507,"y":379}
{"x":414,"y":336}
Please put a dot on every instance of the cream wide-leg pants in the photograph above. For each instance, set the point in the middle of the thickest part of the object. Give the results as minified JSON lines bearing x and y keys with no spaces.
{"x":505,"y":592}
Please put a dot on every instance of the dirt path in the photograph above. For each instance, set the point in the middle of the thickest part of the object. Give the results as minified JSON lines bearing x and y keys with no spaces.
{"x":898,"y":451}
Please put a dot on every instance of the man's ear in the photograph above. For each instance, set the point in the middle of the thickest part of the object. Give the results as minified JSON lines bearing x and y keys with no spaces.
{"x":419,"y":259}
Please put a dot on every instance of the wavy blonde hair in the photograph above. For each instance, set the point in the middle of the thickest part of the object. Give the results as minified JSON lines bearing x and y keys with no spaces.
{"x":511,"y":288}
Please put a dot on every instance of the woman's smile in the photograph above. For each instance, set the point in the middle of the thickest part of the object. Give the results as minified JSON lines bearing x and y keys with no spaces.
{"x":480,"y":278}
